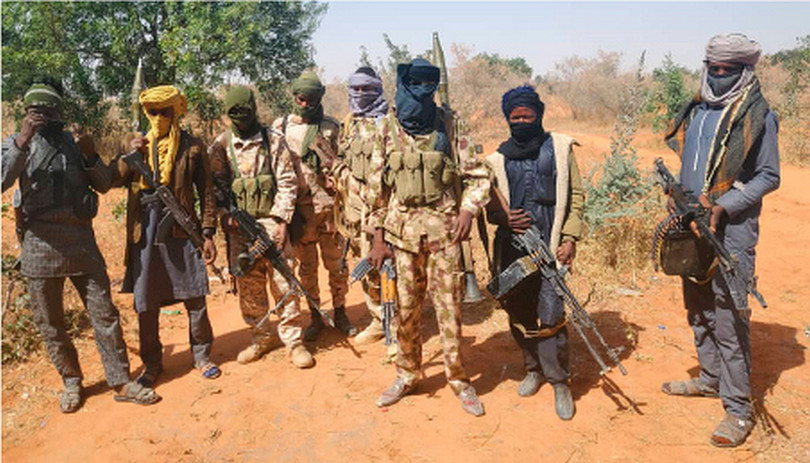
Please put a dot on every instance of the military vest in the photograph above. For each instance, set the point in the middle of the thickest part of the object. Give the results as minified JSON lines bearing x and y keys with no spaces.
{"x":419,"y":177}
{"x":358,"y":154}
{"x":55,"y":178}
{"x":254,"y":194}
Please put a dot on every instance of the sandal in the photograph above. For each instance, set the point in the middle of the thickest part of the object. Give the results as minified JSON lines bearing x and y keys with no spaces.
{"x":210,"y":371}
{"x":150,"y":374}
{"x":731,"y":432}
{"x":71,"y":399}
{"x":690,"y":388}
{"x":134,"y":392}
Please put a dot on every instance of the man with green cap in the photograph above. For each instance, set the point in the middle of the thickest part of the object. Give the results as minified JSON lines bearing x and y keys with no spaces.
{"x":313,"y":141}
{"x":252,"y":167}
{"x":58,"y":179}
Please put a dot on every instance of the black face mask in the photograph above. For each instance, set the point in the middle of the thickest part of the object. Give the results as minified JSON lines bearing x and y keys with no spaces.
{"x":721,"y":85}
{"x":52,"y":129}
{"x":523,"y":132}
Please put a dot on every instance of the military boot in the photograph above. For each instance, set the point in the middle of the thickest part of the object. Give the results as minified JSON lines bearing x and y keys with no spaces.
{"x":371,"y":334}
{"x":252,"y":353}
{"x":315,"y":327}
{"x":300,"y":356}
{"x":342,"y":322}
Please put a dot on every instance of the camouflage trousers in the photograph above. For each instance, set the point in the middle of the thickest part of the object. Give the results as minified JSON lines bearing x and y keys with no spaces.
{"x":319,"y":230}
{"x":440,"y":273}
{"x":49,"y":315}
{"x":254,"y":304}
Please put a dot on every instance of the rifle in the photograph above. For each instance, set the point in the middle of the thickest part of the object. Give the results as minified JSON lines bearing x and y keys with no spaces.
{"x":175,"y":215}
{"x":688,"y":207}
{"x":541,"y":259}
{"x":388,"y":292}
{"x":471,"y":292}
{"x":264,"y":246}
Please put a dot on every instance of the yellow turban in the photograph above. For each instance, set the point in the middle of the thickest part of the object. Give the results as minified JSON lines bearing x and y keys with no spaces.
{"x":164,"y":130}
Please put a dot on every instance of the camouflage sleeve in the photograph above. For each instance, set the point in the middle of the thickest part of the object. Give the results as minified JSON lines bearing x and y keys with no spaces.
{"x":475,"y":176}
{"x":286,"y":182}
{"x":572,"y":226}
{"x":378,"y":192}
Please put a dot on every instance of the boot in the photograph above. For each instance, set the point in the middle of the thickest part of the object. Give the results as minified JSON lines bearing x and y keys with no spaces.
{"x":371,"y":334}
{"x":252,"y":353}
{"x":342,"y":322}
{"x":316,"y":324}
{"x":563,"y":401}
{"x":300,"y":356}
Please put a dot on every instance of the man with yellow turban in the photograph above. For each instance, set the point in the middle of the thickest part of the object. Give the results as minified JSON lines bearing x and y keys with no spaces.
{"x":313,"y":141}
{"x":163,"y":273}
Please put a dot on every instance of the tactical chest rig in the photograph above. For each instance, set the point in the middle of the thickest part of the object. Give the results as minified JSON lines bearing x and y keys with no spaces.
{"x":254,"y":195}
{"x":420,"y":177}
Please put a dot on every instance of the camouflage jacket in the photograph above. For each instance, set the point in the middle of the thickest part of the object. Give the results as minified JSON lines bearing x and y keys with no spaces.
{"x":405,"y":226}
{"x":359,"y":137}
{"x":251,"y":158}
{"x":312,"y":186}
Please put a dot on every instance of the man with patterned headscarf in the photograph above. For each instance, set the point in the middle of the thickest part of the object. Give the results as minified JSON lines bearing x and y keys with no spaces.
{"x":536,"y":174}
{"x":56,"y":202}
{"x":427,"y":186}
{"x":727,"y":140}
{"x":164,"y":273}
{"x":313,"y":142}
{"x":359,"y":136}
{"x":252,"y":168}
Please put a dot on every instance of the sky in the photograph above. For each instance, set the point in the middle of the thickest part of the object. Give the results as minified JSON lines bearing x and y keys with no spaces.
{"x":546,"y":33}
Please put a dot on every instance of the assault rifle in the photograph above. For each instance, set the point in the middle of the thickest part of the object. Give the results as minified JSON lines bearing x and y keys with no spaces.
{"x":388,"y":299}
{"x":261,"y":245}
{"x":175,"y":213}
{"x":688,"y":207}
{"x":541,"y":259}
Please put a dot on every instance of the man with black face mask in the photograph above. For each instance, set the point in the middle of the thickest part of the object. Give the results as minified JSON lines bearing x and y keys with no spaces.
{"x":537,"y":176}
{"x":727,"y":140}
{"x":57,"y":206}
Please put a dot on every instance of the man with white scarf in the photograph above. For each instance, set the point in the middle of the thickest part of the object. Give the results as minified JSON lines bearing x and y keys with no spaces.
{"x":727,"y":140}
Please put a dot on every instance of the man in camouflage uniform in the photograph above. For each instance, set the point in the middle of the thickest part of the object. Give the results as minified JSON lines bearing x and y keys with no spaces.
{"x":359,"y":134}
{"x":312,"y":139}
{"x":56,"y":207}
{"x":431,"y":199}
{"x":252,"y":166}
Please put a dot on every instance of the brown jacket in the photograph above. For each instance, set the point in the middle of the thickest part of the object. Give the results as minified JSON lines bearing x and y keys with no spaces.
{"x":191,"y":170}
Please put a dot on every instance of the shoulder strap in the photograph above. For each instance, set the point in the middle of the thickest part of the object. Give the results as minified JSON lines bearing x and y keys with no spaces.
{"x":232,"y":154}
{"x":392,"y":126}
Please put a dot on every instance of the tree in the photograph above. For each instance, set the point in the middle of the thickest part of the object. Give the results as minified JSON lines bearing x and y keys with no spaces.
{"x":94,"y":47}
{"x":517,"y":66}
{"x":797,"y":64}
{"x":670,"y":93}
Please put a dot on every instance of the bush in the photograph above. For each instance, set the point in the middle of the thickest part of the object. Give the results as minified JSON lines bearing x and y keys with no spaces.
{"x":674,"y":85}
{"x":620,"y":199}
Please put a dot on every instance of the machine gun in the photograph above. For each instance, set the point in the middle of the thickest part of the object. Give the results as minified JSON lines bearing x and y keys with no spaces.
{"x":261,"y":245}
{"x":688,"y":208}
{"x":541,"y":259}
{"x":175,"y":213}
{"x":471,"y":291}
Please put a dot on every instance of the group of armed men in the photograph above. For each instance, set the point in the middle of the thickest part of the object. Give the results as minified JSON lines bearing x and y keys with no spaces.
{"x":404,"y":183}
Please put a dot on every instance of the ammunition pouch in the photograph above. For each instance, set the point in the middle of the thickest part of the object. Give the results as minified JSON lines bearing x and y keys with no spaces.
{"x":508,"y":282}
{"x":85,"y":204}
{"x":255,"y":195}
{"x":358,"y":157}
{"x":678,"y":251}
{"x":419,"y":177}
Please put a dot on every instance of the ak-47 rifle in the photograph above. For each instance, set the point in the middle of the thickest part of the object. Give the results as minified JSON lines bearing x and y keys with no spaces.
{"x":688,"y":207}
{"x":388,"y":299}
{"x":261,"y":245}
{"x":175,"y":213}
{"x":471,"y":291}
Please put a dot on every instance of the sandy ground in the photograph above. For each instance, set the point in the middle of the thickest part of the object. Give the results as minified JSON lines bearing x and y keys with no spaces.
{"x":270,"y":411}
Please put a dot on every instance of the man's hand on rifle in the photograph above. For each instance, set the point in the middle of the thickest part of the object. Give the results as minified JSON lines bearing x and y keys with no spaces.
{"x":139,"y":143}
{"x":566,"y":252}
{"x":379,"y":250}
{"x":462,"y":226}
{"x":715,"y":215}
{"x":209,"y":251}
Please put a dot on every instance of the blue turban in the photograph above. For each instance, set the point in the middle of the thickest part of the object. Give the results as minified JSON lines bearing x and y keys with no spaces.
{"x":416,"y":109}
{"x":523,"y":96}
